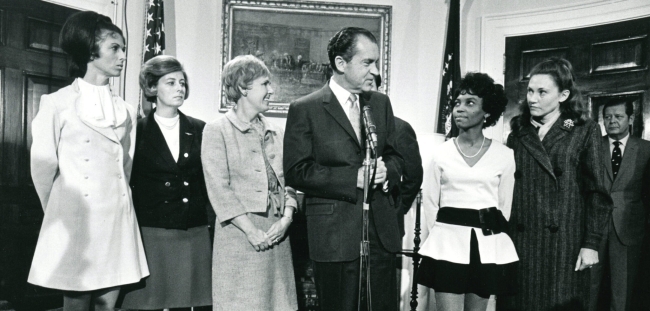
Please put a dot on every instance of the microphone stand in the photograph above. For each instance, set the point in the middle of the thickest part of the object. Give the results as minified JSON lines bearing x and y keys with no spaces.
{"x":369,"y":163}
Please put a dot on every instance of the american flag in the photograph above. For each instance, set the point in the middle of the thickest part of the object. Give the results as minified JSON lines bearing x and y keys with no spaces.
{"x":154,"y":30}
{"x":154,"y":42}
{"x":450,"y":72}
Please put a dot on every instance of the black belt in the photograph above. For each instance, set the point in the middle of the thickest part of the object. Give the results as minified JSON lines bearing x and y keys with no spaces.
{"x":490,"y":220}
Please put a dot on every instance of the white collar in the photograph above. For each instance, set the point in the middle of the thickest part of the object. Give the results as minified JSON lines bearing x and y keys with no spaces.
{"x":341,"y":94}
{"x":622,"y":140}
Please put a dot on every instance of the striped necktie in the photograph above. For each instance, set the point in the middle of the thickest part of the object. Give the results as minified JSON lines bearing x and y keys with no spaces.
{"x":354,"y":115}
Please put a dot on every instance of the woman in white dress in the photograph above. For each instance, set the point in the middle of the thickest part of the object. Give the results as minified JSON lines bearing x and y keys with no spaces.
{"x":83,"y":141}
{"x":468,"y":257}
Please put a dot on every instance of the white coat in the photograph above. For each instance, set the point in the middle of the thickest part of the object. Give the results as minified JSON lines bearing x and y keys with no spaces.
{"x":81,"y":168}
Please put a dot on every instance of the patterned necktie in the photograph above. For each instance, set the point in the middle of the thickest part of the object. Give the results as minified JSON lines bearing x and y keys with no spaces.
{"x":616,"y":158}
{"x":354,"y":115}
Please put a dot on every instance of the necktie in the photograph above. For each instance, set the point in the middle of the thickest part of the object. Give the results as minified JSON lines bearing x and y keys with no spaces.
{"x":616,"y":158}
{"x":354,"y":115}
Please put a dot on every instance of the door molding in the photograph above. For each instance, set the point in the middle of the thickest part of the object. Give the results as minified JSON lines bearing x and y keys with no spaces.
{"x":495,"y":28}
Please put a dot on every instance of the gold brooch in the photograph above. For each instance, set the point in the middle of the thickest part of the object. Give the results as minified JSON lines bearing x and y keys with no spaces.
{"x":568,"y":123}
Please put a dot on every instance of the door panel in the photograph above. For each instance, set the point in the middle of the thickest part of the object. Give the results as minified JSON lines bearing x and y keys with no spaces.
{"x":609,"y":61}
{"x":31,"y":64}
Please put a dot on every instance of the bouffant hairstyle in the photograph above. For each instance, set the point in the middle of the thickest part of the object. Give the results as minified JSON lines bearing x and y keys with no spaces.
{"x":239,"y":73}
{"x":493,"y":95}
{"x":81,"y":36}
{"x":344,"y":42}
{"x":156,"y":68}
{"x":561,"y":71}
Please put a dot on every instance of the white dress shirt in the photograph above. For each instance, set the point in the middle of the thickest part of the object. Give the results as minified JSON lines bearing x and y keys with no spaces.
{"x":622,"y":145}
{"x":342,"y":96}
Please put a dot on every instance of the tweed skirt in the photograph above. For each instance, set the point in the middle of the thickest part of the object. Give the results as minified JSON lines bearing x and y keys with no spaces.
{"x":245,"y":279}
{"x":180,"y":266}
{"x":477,"y":278}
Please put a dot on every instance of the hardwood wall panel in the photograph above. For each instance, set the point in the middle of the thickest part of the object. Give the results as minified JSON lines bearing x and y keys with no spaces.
{"x":619,"y":55}
{"x":43,"y":35}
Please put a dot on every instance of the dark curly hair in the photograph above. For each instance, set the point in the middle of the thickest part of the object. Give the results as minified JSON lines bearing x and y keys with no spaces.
{"x":80,"y":38}
{"x":561,"y":71}
{"x":344,"y":42}
{"x":493,"y":95}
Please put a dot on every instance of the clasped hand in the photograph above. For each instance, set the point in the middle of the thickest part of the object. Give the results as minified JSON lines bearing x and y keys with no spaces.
{"x":380,"y":176}
{"x":262,"y":241}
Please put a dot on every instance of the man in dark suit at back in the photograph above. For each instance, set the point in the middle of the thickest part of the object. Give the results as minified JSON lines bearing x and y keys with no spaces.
{"x":323,"y":156}
{"x":626,"y":161}
{"x":406,"y":143}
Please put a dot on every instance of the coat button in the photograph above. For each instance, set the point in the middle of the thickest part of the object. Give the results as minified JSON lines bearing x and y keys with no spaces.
{"x":86,"y":160}
{"x":186,"y":183}
{"x":119,"y":176}
{"x":272,"y":156}
{"x":520,"y":228}
{"x":518,"y":174}
{"x":85,"y":177}
{"x":186,"y":155}
{"x":558,"y":172}
{"x":185,"y":200}
{"x":553,"y":228}
{"x":87,"y":140}
{"x":117,"y":160}
{"x":167,"y":184}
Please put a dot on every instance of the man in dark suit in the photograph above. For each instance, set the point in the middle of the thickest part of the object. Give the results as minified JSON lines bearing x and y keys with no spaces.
{"x":626,"y":161}
{"x":323,"y":156}
{"x":406,"y":143}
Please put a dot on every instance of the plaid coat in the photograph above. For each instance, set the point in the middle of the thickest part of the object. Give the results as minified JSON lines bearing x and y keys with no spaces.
{"x":560,"y":205}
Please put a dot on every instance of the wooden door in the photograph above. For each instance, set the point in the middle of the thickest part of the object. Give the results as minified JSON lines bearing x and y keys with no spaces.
{"x":609,"y":61}
{"x":31,"y":64}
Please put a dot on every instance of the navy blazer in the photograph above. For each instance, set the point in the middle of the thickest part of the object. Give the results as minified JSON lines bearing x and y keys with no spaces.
{"x":166,"y":193}
{"x":321,"y":158}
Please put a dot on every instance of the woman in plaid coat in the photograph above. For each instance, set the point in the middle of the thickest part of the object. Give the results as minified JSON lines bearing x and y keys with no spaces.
{"x":560,"y":204}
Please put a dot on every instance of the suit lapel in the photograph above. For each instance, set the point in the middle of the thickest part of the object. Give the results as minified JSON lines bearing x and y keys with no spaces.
{"x":156,"y":140}
{"x":188,"y":132}
{"x":607,"y":159}
{"x":627,"y":164}
{"x":531,"y":142}
{"x":334,"y":108}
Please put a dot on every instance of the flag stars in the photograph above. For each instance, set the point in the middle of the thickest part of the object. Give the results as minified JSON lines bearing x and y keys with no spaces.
{"x":152,"y":3}
{"x":157,"y":48}
{"x":149,"y":17}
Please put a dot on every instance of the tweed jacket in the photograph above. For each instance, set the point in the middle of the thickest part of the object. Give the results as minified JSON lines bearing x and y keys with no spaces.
{"x":560,"y":205}
{"x":630,"y":190}
{"x":234,"y":167}
{"x":169,"y":194}
{"x":322,"y":156}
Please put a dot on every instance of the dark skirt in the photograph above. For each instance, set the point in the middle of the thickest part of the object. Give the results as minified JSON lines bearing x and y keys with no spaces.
{"x":480,"y":279}
{"x":180,"y":266}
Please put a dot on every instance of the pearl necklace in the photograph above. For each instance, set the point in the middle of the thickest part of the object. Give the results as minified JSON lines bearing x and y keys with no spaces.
{"x":461,"y":150}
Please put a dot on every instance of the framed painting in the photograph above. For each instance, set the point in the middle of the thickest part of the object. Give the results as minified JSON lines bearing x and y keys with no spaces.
{"x":291,"y":38}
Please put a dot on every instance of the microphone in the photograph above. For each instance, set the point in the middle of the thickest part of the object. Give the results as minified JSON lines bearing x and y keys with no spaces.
{"x":370,"y":127}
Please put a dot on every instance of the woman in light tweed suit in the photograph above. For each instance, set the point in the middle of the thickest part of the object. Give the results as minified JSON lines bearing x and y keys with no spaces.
{"x":242,"y":163}
{"x":560,"y":205}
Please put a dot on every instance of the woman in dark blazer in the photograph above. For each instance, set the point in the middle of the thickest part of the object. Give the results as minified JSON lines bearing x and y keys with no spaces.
{"x":170,"y":197}
{"x":560,"y":205}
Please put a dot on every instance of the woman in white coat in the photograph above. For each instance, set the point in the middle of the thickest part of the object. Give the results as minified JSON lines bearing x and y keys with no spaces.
{"x":83,"y":141}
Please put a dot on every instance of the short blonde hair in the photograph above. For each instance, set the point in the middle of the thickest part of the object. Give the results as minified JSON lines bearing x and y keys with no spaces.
{"x":239,"y":73}
{"x":156,"y":68}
